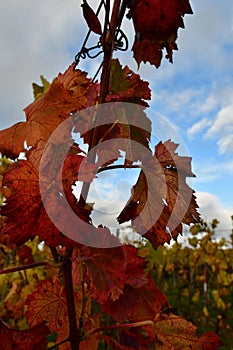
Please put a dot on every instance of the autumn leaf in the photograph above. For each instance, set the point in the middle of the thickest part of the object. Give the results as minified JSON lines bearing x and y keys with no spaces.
{"x":48,"y":303}
{"x":161,"y":198}
{"x":91,"y":18}
{"x":135,"y":339}
{"x":34,"y":338}
{"x":137,"y":304}
{"x":156,"y":23}
{"x":40,"y":90}
{"x":23,"y":190}
{"x":68,"y":93}
{"x":127,"y":86}
{"x":175,"y":333}
{"x":25,"y":254}
{"x":114,"y":344}
{"x":122,"y":125}
{"x":107,"y":274}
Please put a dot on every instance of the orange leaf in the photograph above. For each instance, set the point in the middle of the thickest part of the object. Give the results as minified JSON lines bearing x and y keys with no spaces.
{"x":172,"y":332}
{"x":69,"y":92}
{"x":48,"y":303}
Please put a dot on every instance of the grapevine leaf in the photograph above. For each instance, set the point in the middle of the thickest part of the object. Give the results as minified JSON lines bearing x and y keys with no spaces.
{"x":115,"y":345}
{"x":175,"y":333}
{"x":126,"y":86}
{"x":156,"y":23}
{"x":21,"y":186}
{"x":25,"y":254}
{"x":135,"y":339}
{"x":48,"y":303}
{"x":38,"y":90}
{"x":137,"y":304}
{"x":121,"y":123}
{"x":34,"y":338}
{"x":210,"y":341}
{"x":108,"y":276}
{"x":68,"y":93}
{"x":161,"y":196}
{"x":91,"y":18}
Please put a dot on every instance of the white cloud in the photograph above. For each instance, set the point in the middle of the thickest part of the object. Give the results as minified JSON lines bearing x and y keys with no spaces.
{"x":198,"y":127}
{"x":203,"y":41}
{"x":207,"y":170}
{"x":36,"y":37}
{"x":226,"y":144}
{"x":212,"y":208}
{"x":223,"y":122}
{"x":222,"y":128}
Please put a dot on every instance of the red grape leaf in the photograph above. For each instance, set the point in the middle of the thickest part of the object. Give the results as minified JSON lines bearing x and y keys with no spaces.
{"x":69,"y":92}
{"x":25,"y":254}
{"x":135,"y":339}
{"x":210,"y":341}
{"x":124,"y":124}
{"x":137,"y":304}
{"x":48,"y":303}
{"x":108,"y":276}
{"x":91,"y":18}
{"x":161,"y":197}
{"x":156,"y":23}
{"x":127,"y":86}
{"x":34,"y":338}
{"x":21,"y":186}
{"x":115,"y":345}
{"x":174,"y":332}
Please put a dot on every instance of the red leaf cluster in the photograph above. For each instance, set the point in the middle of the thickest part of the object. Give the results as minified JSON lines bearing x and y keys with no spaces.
{"x":156,"y":23}
{"x":23,"y":185}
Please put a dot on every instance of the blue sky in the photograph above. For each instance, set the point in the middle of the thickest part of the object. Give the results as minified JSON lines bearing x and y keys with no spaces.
{"x":194,"y":94}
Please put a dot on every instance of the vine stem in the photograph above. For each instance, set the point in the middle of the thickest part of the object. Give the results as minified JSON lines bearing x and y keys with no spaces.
{"x":118,"y":166}
{"x":57,"y":344}
{"x":74,"y":337}
{"x":30,"y":266}
{"x":120,"y":326}
{"x":108,"y":41}
{"x":108,"y":47}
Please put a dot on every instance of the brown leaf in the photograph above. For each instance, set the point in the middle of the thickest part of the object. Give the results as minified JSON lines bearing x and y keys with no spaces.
{"x":161,"y":199}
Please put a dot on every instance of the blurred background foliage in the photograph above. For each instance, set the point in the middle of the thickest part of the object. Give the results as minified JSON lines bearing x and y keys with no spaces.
{"x":197,"y":278}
